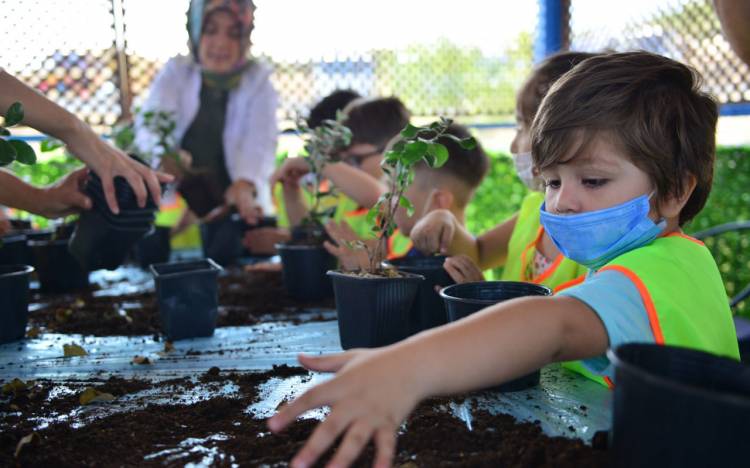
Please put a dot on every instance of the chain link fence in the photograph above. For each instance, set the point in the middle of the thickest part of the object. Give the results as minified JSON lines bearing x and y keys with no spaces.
{"x":685,"y":30}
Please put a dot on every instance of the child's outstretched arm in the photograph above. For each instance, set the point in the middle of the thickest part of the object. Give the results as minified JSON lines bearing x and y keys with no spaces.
{"x":374,"y":390}
{"x":440,"y":232}
{"x":62,"y":198}
{"x":355,"y":183}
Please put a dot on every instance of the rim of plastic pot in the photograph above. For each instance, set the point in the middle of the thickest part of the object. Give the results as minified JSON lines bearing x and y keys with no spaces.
{"x":348,"y":274}
{"x":154,"y":268}
{"x":7,"y":271}
{"x":615,"y":358}
{"x":45,"y":242}
{"x":445,"y":293}
{"x":13,"y":237}
{"x":397,"y":263}
{"x":298,"y":247}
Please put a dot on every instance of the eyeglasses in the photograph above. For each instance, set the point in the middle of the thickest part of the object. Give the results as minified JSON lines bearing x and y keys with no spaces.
{"x":357,"y":160}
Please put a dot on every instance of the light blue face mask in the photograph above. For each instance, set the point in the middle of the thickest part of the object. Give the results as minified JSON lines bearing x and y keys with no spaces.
{"x":597,"y":237}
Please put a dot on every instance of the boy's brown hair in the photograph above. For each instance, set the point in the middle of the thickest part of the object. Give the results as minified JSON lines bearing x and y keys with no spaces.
{"x":652,"y":108}
{"x":376,"y":121}
{"x":467,"y":166}
{"x":542,"y":78}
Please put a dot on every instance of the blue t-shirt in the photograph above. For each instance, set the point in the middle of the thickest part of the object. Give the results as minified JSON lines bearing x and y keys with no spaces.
{"x":617,"y":302}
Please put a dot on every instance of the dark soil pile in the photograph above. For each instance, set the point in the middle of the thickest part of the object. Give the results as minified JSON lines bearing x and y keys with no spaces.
{"x":221,"y":433}
{"x":245,"y":298}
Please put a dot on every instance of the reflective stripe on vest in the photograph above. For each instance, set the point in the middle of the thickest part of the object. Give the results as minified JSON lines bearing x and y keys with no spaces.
{"x":398,"y":245}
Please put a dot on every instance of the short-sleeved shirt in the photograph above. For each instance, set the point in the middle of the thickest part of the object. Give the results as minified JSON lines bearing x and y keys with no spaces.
{"x":617,"y":302}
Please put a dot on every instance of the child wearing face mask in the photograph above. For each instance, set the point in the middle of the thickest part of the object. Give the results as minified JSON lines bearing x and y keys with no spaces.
{"x":520,"y":243}
{"x":617,"y":193}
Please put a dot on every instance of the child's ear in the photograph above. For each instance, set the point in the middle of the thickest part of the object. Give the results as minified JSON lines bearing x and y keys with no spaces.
{"x":441,"y":199}
{"x":671,"y":207}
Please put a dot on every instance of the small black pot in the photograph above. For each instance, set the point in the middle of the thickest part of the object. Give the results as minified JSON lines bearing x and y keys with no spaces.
{"x":221,"y":241}
{"x":676,"y":407}
{"x":14,"y":301}
{"x":464,"y":299}
{"x":13,"y":250}
{"x":154,"y":247}
{"x":58,"y":270}
{"x":188,"y":297}
{"x":20,"y":224}
{"x":304,"y":271}
{"x":428,"y":310}
{"x":96,"y":243}
{"x":124,"y":194}
{"x":373,"y":312}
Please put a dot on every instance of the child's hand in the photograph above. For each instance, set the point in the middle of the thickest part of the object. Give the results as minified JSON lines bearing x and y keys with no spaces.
{"x":242,"y":194}
{"x":372,"y":393}
{"x":290,"y":172}
{"x":262,"y":241}
{"x":463,"y":269}
{"x":63,"y":197}
{"x":350,"y":259}
{"x":434,"y":232}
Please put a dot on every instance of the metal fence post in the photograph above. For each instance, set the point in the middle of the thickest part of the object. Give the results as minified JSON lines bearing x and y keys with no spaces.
{"x":553,"y":30}
{"x":123,"y":71}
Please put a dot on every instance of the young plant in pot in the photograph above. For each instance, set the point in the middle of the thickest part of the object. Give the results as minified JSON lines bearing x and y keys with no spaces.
{"x":374,"y":304}
{"x":304,"y":259}
{"x":198,"y":187}
{"x":14,"y":276}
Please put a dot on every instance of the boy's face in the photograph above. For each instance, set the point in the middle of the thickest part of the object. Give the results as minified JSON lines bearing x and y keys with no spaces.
{"x":364,"y":156}
{"x":419,"y":194}
{"x":599,"y":177}
{"x":522,"y":140}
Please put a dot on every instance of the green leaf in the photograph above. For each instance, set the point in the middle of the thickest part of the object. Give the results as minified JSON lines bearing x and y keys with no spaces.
{"x":468,"y":143}
{"x":372,"y":215}
{"x":406,"y":203}
{"x":14,"y":114}
{"x":439,"y":152}
{"x":410,"y":131}
{"x":24,"y":152}
{"x":7,"y":152}
{"x":50,"y":145}
{"x":414,"y":151}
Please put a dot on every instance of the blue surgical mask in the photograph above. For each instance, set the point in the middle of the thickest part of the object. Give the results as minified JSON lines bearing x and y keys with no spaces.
{"x":596,"y":237}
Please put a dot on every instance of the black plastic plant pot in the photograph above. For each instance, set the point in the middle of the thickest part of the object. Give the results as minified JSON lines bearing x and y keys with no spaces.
{"x":13,"y":250}
{"x":373,"y":312}
{"x":57,"y":269}
{"x":97,"y":244}
{"x":428,"y":310}
{"x":126,"y":198}
{"x":221,"y":241}
{"x":14,"y":301}
{"x":187,"y":294}
{"x":20,"y":224}
{"x":304,"y":269}
{"x":464,"y":299}
{"x":154,"y":247}
{"x":676,"y":407}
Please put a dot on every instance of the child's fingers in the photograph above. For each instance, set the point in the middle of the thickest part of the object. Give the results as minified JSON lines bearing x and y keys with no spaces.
{"x":322,"y":437}
{"x":333,"y":249}
{"x":453,"y":272}
{"x":354,"y":441}
{"x":385,"y":448}
{"x":327,"y":363}
{"x":315,"y":397}
{"x":446,"y":237}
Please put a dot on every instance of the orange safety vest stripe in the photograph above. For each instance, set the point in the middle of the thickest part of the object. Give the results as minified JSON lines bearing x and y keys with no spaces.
{"x":570,"y":284}
{"x":549,"y":271}
{"x":653,"y":317}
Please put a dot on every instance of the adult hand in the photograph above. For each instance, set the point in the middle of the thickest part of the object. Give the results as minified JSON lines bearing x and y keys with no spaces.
{"x":463,"y":269}
{"x":371,"y":394}
{"x":241,"y":194}
{"x":434,"y":232}
{"x":176,"y":164}
{"x":64,"y":197}
{"x":262,"y":241}
{"x":349,"y":257}
{"x":108,"y":162}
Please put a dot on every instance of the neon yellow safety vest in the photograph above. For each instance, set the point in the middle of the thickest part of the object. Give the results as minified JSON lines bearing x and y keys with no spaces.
{"x":398,"y":245}
{"x":522,"y":248}
{"x":169,"y":214}
{"x":683,"y":294}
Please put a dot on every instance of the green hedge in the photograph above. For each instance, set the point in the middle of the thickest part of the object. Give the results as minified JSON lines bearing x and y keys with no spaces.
{"x":501,"y":193}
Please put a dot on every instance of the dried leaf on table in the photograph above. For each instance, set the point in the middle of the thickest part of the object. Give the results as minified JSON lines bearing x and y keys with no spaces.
{"x":92,"y":395}
{"x":141,"y":360}
{"x":15,"y":386}
{"x":33,"y":332}
{"x":73,"y":350}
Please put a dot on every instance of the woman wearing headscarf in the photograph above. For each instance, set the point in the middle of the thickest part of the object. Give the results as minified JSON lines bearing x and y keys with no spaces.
{"x":224,"y":108}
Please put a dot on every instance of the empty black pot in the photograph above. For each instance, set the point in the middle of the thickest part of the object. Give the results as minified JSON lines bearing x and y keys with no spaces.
{"x":222,"y":241}
{"x":13,"y":250}
{"x":14,"y":301}
{"x":465,"y":299}
{"x":187,"y":294}
{"x":373,"y":312}
{"x":428,"y":310}
{"x":154,"y":247}
{"x":304,"y":270}
{"x":57,"y":269}
{"x":677,"y":407}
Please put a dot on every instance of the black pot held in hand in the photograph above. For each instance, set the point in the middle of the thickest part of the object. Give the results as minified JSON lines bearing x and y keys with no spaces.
{"x":154,"y":247}
{"x":465,"y":299}
{"x":304,"y":269}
